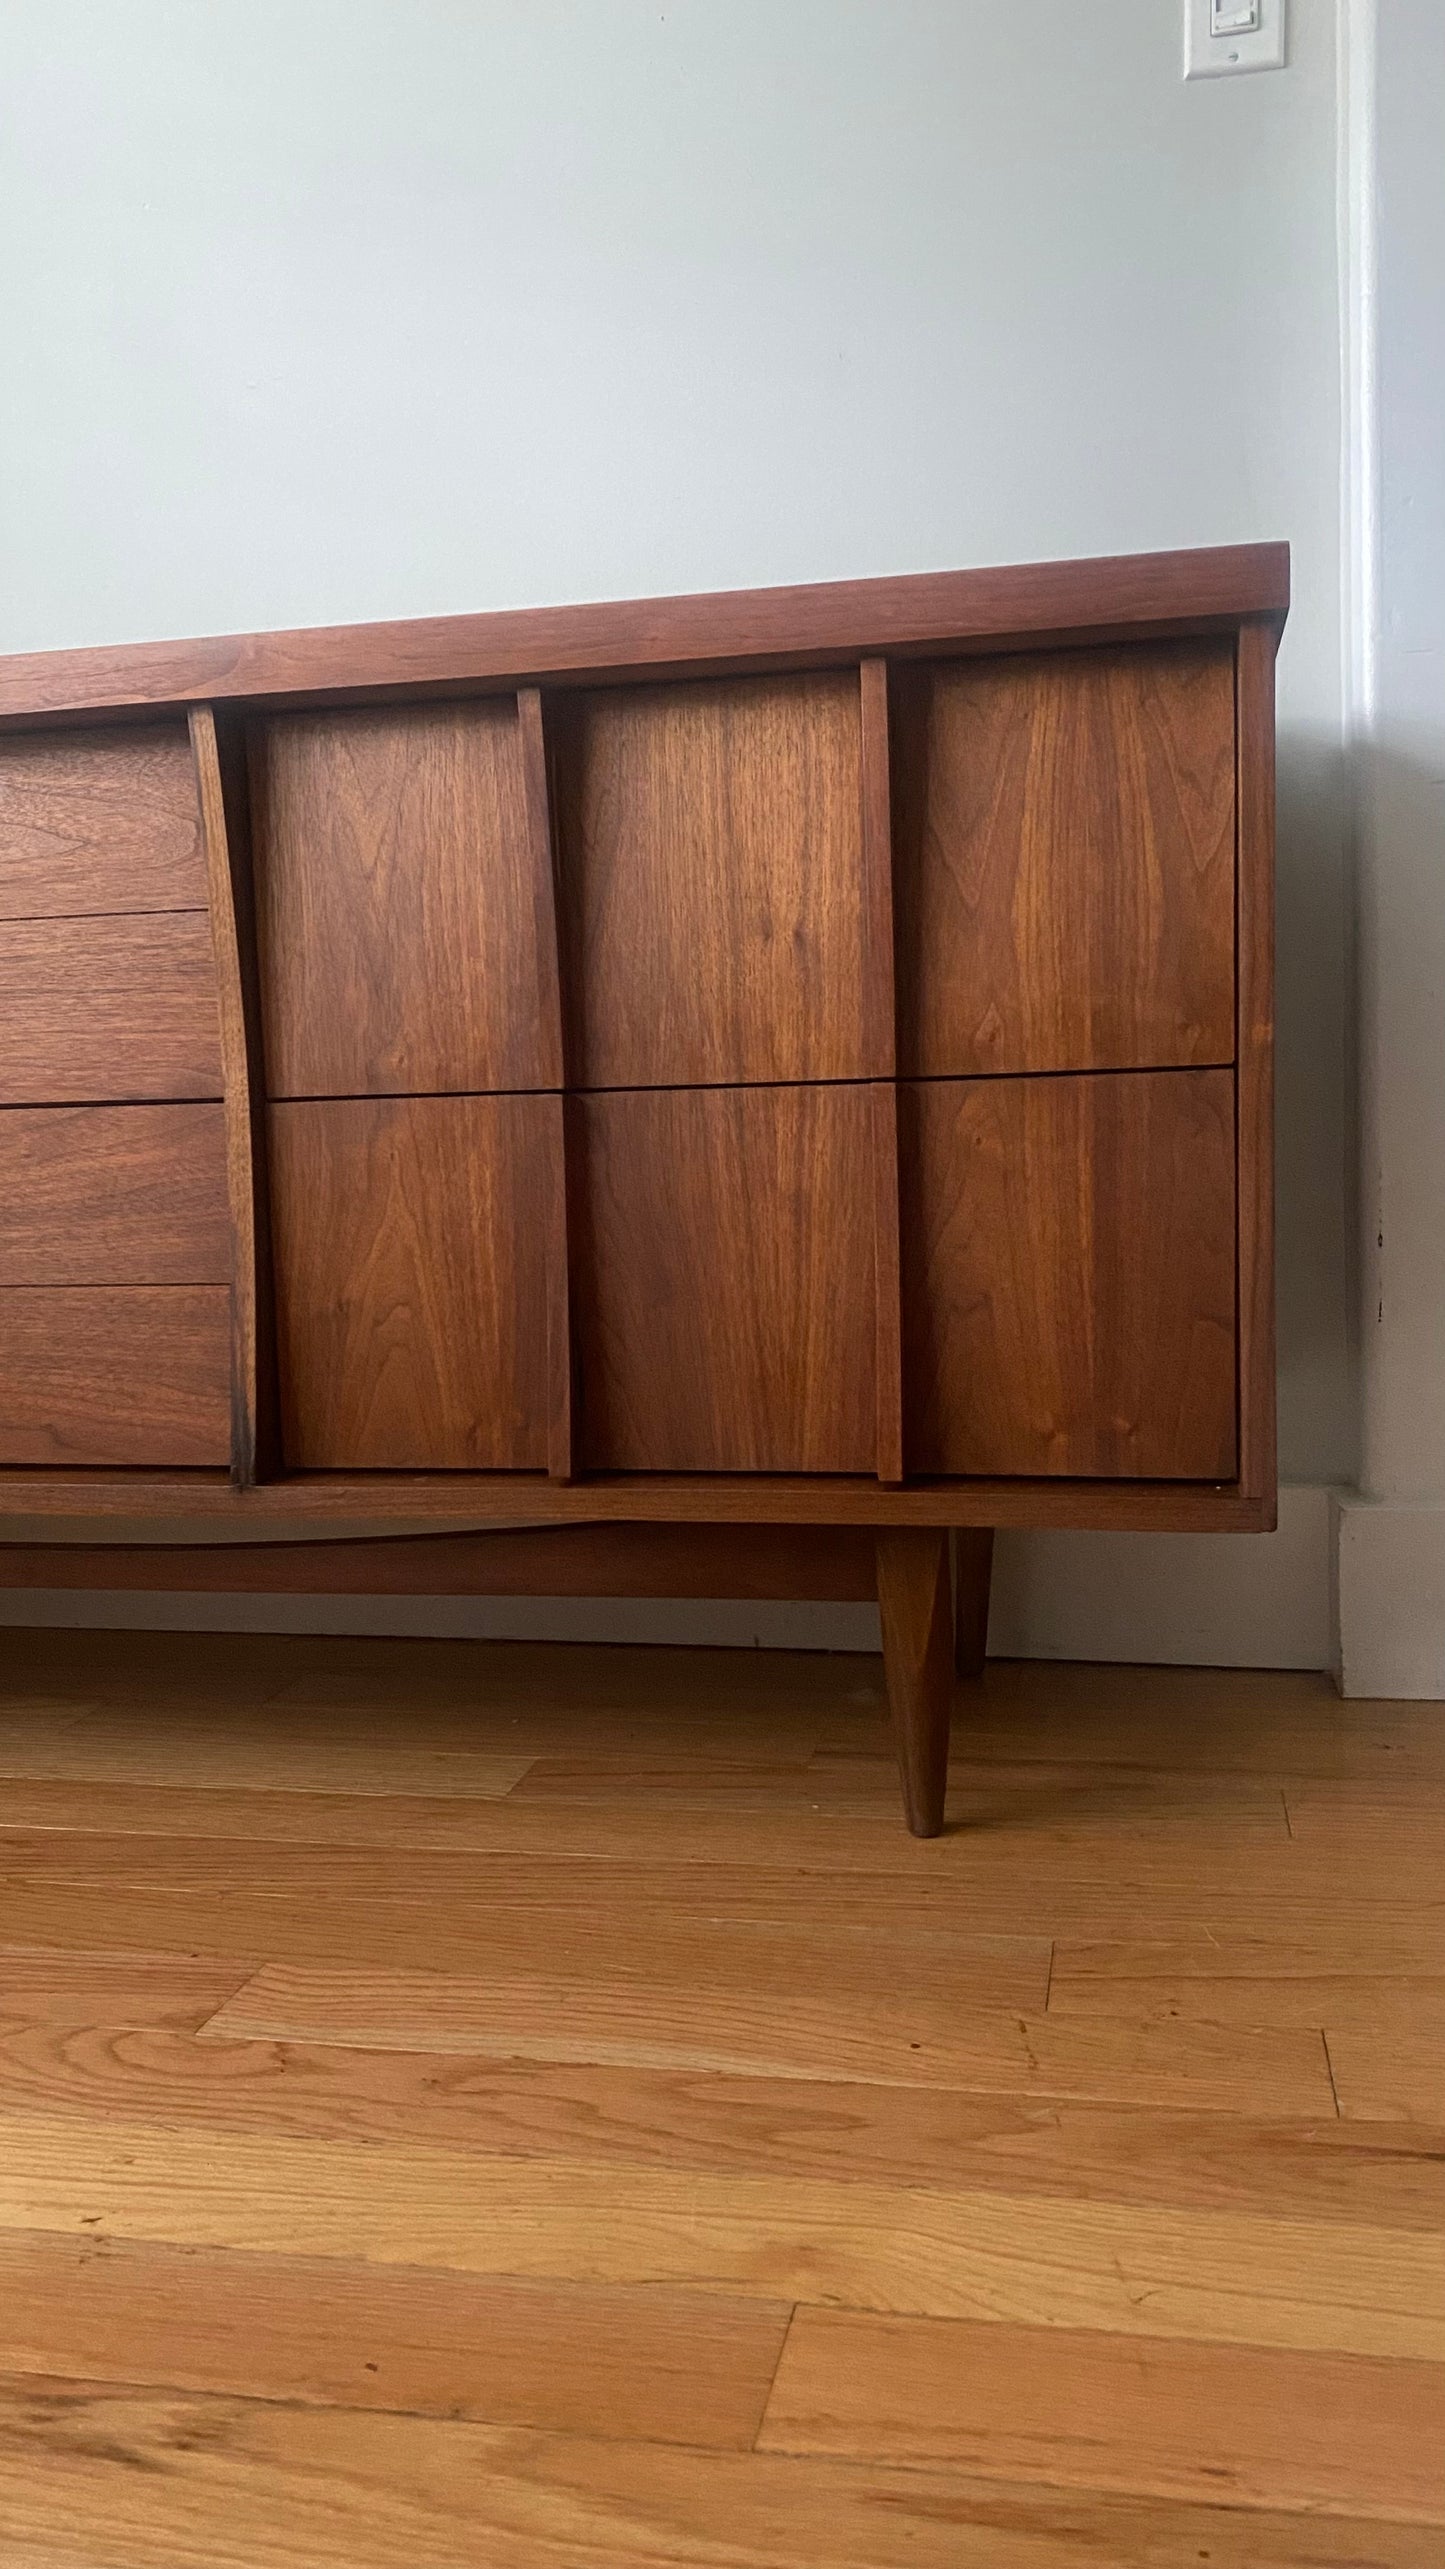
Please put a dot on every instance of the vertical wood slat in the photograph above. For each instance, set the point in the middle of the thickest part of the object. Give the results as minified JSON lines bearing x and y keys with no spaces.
{"x":557,"y":1178}
{"x":880,"y":1037}
{"x":1254,"y":1055}
{"x":218,"y":749}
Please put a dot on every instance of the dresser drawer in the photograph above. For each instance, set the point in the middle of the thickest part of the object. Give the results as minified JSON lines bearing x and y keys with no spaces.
{"x":124,"y":1375}
{"x":395,"y":901}
{"x":726,"y":1311}
{"x":1064,"y":860}
{"x":100,"y":1008}
{"x":411,"y":1287}
{"x":710,"y":867}
{"x":119,"y":1195}
{"x":99,"y":821}
{"x":1069,"y":1275}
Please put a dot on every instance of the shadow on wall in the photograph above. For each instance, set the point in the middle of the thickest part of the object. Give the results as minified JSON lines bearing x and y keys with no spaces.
{"x":1398,"y":881}
{"x":1315,"y":1117}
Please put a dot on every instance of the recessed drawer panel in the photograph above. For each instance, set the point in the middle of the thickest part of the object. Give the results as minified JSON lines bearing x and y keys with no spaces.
{"x":710,"y":837}
{"x":724,"y":1275}
{"x":1064,"y":860}
{"x":99,"y":821}
{"x":101,"y":1008}
{"x":395,"y":902}
{"x":138,"y":1375}
{"x":1069,"y":1275}
{"x":113,"y":1195}
{"x":410,"y":1252}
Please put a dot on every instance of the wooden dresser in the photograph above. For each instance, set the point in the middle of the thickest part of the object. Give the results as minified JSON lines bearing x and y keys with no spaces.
{"x":717,"y":1095}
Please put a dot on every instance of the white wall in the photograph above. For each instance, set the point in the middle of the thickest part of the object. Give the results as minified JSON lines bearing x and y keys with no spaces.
{"x":317,"y":310}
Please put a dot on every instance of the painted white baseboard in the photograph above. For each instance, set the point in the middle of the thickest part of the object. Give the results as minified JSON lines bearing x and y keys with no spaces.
{"x":1202,"y":1600}
{"x":1390,"y":1571}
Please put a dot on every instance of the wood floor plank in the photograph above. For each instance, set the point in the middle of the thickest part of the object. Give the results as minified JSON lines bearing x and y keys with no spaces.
{"x":1389,"y":2072}
{"x":94,"y":2479}
{"x":982,"y":1793}
{"x":114,"y":1989}
{"x":464,"y":1931}
{"x":1247,"y":1981}
{"x":910,"y":2029}
{"x":587,"y":2359}
{"x":744,"y":1846}
{"x":1198,"y":1846}
{"x":1149,"y":2417}
{"x":1038,"y":2261}
{"x":1367,"y":1810}
{"x":265,"y":1755}
{"x":827,"y":1981}
{"x":1318,"y":2170}
{"x":779,"y":2011}
{"x":1261,"y":1722}
{"x":997,"y":1795}
{"x":1106,"y":2200}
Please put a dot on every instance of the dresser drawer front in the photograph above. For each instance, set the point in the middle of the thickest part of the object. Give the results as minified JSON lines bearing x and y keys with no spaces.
{"x":710,"y":840}
{"x":93,"y":1195}
{"x":98,"y":822}
{"x":94,"y":1009}
{"x":411,"y":1281}
{"x":725,"y":1280}
{"x":1069,"y":1275}
{"x":122,"y":1375}
{"x":395,"y":902}
{"x":1064,"y":849}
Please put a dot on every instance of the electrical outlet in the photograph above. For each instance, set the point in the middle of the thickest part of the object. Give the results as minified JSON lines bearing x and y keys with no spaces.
{"x":1223,"y":36}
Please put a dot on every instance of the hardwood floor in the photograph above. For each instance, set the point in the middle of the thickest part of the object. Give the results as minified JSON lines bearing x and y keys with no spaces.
{"x":537,"y":2107}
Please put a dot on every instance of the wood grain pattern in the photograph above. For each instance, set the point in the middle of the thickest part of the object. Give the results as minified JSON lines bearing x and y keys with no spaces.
{"x":1065,"y":837}
{"x":782,"y":2005}
{"x":396,"y":902}
{"x":1201,"y":591}
{"x":887,"y":1285}
{"x":1044,"y":2321}
{"x":1227,"y":2278}
{"x":92,"y":2478}
{"x":750,"y":1846}
{"x":1254,"y":1085}
{"x":542,"y":864}
{"x":879,"y":1046}
{"x":575,"y":2357}
{"x":97,"y":1009}
{"x":725,"y":1325}
{"x":1253,"y":2425}
{"x":220,"y":759}
{"x":123,"y":1374}
{"x":58,"y":2060}
{"x":879,"y":1051}
{"x":560,"y":1180}
{"x":411,"y":1282}
{"x":98,"y":821}
{"x":1390,"y":2070}
{"x":1069,"y":1275}
{"x":814,"y":1562}
{"x":308,"y":1504}
{"x":711,"y":852}
{"x":915,"y":1609}
{"x":119,"y":1195}
{"x":114,"y":1992}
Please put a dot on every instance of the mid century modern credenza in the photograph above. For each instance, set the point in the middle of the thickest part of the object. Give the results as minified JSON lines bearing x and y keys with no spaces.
{"x":721,"y":1095}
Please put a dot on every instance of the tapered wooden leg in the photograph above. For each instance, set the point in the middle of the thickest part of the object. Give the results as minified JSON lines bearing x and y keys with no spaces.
{"x":915,"y":1605}
{"x":972,"y":1577}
